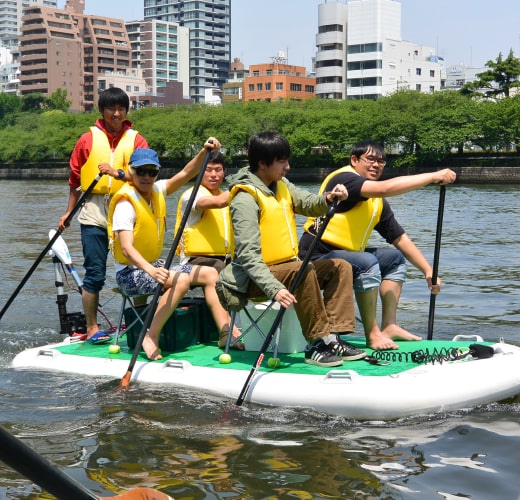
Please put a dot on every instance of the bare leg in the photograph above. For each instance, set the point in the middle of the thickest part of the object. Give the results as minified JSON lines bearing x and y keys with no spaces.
{"x":90,"y":306}
{"x":367,"y":305}
{"x":207,"y":277}
{"x":177,"y":286}
{"x":390,"y":294}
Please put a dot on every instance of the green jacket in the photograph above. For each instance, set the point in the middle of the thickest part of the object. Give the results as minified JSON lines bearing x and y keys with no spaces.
{"x":245,"y":216}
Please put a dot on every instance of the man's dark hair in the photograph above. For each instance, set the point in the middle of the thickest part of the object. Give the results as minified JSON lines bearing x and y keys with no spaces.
{"x":267,"y":147}
{"x":362,"y":147}
{"x":217,"y":157}
{"x":113,"y":96}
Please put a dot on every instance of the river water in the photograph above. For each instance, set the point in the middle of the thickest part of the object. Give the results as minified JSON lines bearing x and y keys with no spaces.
{"x":185,"y":444}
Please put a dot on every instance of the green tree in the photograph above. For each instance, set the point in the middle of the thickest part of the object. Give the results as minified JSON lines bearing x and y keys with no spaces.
{"x":498,"y":80}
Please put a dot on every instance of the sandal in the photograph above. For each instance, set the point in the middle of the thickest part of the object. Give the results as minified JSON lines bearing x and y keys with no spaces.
{"x":100,"y":337}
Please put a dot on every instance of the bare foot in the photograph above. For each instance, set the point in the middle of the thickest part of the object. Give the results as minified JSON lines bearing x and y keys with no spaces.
{"x":153,"y":353}
{"x":395,"y":332}
{"x":379,"y":341}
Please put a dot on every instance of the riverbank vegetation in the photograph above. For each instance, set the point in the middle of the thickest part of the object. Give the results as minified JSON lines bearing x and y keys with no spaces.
{"x":418,"y":128}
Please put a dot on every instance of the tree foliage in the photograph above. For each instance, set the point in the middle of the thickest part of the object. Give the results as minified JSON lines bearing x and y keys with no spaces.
{"x":420,"y":128}
{"x":498,"y":80}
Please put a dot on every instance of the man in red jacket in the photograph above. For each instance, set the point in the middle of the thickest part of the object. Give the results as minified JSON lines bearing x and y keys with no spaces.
{"x":106,"y":148}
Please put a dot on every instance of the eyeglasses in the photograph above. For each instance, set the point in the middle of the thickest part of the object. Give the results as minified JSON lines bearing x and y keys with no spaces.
{"x":141,"y":172}
{"x":373,"y":159}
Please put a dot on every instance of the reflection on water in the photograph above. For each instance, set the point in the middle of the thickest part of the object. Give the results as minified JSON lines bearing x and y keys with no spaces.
{"x":193,"y":445}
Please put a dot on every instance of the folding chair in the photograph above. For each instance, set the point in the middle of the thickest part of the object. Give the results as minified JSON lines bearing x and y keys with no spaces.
{"x":256,"y":319}
{"x":133,"y":303}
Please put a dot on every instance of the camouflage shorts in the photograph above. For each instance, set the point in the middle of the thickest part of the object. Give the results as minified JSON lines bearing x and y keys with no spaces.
{"x":133,"y":281}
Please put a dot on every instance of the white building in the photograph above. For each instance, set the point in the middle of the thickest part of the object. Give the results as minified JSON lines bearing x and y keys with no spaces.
{"x":161,"y":49}
{"x":11,"y":18}
{"x":361,"y":55}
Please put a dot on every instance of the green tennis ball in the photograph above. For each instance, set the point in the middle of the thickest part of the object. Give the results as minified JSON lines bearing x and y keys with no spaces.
{"x":224,"y":358}
{"x":114,"y":349}
{"x":273,"y":363}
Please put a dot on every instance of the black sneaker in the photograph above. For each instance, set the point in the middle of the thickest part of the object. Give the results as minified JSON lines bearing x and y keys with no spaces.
{"x":346,"y":351}
{"x":321,"y":354}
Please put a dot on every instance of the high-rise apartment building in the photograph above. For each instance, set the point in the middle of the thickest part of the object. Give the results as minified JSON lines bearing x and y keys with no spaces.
{"x":361,"y":55}
{"x":160,"y":49}
{"x":210,"y":38}
{"x":11,"y":18}
{"x":63,"y":49}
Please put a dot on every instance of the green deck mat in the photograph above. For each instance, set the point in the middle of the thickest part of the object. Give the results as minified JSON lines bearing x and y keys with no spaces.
{"x":208,"y":354}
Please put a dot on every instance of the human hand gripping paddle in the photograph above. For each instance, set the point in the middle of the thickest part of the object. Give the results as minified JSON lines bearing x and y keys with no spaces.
{"x":436,"y":253}
{"x":67,"y":221}
{"x":125,"y":381}
{"x":292,"y":288}
{"x":26,"y":461}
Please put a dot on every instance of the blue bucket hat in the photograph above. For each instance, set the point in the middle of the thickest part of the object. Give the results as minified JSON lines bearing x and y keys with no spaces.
{"x":143,"y":156}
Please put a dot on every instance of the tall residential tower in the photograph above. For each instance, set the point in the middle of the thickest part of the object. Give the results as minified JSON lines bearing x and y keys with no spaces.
{"x":210,"y":39}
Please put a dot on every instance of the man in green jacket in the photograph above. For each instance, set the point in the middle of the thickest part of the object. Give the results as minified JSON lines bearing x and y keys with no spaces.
{"x":263,"y":205}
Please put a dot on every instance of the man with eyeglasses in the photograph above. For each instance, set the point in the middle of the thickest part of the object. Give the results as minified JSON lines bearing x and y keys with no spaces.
{"x":376,"y":270}
{"x":136,"y":227}
{"x":106,"y":149}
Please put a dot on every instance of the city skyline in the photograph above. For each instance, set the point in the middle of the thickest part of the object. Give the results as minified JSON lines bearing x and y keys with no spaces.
{"x":464,"y":32}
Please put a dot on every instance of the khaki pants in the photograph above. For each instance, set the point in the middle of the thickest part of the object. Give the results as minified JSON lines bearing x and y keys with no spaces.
{"x":319,"y":314}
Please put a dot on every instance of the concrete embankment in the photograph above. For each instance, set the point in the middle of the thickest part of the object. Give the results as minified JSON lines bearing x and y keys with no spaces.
{"x":466,"y":174}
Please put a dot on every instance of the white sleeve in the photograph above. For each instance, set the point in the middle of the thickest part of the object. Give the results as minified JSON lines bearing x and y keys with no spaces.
{"x":124,"y":216}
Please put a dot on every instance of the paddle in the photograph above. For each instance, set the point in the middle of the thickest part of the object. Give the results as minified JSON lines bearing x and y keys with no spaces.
{"x":67,"y":221}
{"x":125,"y":381}
{"x":279,"y":315}
{"x":437,"y":251}
{"x":26,"y":461}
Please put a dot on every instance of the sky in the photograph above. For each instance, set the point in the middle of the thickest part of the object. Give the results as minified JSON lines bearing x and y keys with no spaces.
{"x":469,"y":32}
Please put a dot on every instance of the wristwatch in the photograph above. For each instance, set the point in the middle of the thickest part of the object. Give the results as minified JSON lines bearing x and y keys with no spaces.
{"x":121,"y":174}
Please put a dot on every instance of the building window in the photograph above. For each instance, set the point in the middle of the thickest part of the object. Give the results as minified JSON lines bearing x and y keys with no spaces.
{"x":268,"y":86}
{"x":418,"y":71}
{"x":418,"y":87}
{"x":251,"y":87}
{"x":128,"y":88}
{"x":279,"y":85}
{"x":432,"y":73}
{"x":259,"y":87}
{"x":432,"y":89}
{"x":256,"y":73}
{"x":296,"y":87}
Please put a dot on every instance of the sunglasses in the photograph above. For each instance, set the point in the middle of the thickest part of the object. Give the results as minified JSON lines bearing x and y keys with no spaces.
{"x":141,"y":172}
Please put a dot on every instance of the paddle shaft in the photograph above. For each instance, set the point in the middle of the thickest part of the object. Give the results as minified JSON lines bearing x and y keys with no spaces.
{"x":125,"y":381}
{"x":279,"y":315}
{"x":26,"y":461}
{"x":436,"y":254}
{"x":67,"y":221}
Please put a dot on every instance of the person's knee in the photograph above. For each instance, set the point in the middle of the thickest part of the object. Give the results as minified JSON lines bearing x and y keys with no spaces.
{"x":368,"y":279}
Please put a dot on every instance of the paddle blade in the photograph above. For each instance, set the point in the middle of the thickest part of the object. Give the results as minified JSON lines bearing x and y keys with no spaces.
{"x":59,"y":248}
{"x":142,"y":494}
{"x":125,"y":381}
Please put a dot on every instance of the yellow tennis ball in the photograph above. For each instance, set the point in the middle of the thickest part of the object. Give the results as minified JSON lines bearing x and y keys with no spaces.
{"x":273,"y":363}
{"x":224,"y":358}
{"x":114,"y":349}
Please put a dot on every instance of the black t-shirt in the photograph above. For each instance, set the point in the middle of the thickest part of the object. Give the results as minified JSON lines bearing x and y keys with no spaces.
{"x":387,"y":227}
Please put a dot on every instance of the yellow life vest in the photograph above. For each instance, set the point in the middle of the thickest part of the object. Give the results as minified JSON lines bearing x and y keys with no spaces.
{"x":149,"y":224}
{"x":278,"y":236}
{"x":211,"y":235}
{"x":102,"y":153}
{"x":350,"y":230}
